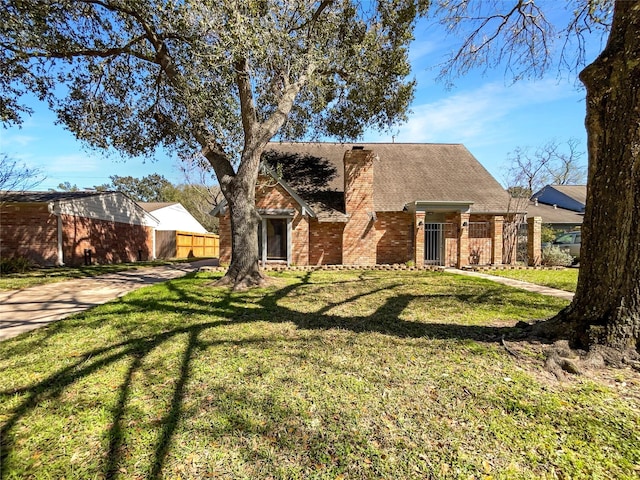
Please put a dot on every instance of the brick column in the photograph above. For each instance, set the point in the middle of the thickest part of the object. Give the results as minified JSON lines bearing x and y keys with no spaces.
{"x":224,"y":232}
{"x":497,"y":222}
{"x":534,"y":240}
{"x":463,"y":240}
{"x":358,"y":241}
{"x":418,"y":250}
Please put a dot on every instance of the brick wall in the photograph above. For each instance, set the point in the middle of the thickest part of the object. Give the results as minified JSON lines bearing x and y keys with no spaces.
{"x":300,"y":240}
{"x":271,"y":195}
{"x":29,"y":230}
{"x":395,"y":237}
{"x":463,"y":239}
{"x":359,"y":238}
{"x":224,"y":230}
{"x":109,"y":242}
{"x":325,"y":243}
{"x":534,"y":240}
{"x":418,"y":242}
{"x":497,"y":223}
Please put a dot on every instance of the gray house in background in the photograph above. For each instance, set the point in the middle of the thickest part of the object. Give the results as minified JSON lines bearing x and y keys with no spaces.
{"x":568,"y":197}
{"x":560,"y":206}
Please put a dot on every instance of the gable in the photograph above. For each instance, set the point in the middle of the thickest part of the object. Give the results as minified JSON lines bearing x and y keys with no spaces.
{"x":173,"y":216}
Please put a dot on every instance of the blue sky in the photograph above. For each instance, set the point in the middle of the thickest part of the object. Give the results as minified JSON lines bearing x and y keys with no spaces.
{"x":485,"y":112}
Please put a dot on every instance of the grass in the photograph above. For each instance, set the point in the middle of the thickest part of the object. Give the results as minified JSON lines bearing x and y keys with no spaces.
{"x":324,"y":375}
{"x":566,"y":279}
{"x":40,"y":276}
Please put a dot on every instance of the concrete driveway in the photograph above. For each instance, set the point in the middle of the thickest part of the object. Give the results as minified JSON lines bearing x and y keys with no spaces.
{"x":31,"y":308}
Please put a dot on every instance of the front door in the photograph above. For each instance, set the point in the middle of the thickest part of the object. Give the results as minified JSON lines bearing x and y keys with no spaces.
{"x":276,"y":239}
{"x":273,"y":239}
{"x":433,"y":243}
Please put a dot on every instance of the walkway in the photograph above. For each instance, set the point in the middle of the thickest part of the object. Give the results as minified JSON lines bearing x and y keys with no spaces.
{"x":530,"y":287}
{"x":34,"y":307}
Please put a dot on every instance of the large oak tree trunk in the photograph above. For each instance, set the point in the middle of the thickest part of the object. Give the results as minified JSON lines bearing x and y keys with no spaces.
{"x":244,"y":271}
{"x":606,"y":307}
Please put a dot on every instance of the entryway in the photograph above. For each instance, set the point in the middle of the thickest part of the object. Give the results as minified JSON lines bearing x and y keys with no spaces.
{"x":434,"y":243}
{"x":273,"y":239}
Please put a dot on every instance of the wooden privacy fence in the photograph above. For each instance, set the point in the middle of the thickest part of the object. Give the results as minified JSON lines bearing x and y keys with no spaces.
{"x":177,"y":244}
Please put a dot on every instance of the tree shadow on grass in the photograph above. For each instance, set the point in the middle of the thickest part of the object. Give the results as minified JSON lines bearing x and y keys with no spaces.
{"x":227,"y":309}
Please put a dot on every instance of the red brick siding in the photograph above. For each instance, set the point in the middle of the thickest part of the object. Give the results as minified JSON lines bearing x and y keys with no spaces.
{"x":359,"y":238}
{"x":224,"y":230}
{"x":270,"y":195}
{"x":300,"y":240}
{"x":325,"y":243}
{"x":395,"y":242}
{"x":29,"y":230}
{"x":481,"y":240}
{"x":451,"y":234}
{"x":109,"y":242}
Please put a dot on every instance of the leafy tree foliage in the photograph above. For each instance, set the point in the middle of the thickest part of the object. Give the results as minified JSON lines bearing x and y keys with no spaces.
{"x":66,"y":187}
{"x":220,"y":77}
{"x":152,"y":188}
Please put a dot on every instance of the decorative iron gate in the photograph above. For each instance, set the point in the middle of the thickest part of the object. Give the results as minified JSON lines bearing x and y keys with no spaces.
{"x":434,"y":243}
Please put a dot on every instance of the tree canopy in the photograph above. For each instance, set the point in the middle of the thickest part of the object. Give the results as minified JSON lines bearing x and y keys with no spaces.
{"x":138,"y":75}
{"x":219,"y":77}
{"x":151,"y":188}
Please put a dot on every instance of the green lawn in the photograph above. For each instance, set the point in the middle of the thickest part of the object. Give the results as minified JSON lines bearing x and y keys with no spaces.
{"x":40,"y":276}
{"x":566,"y":279}
{"x":327,"y":375}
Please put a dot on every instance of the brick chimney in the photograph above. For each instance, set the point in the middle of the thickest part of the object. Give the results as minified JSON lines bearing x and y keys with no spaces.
{"x":358,"y":241}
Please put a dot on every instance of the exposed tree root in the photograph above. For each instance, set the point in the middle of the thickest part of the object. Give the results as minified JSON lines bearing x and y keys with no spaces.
{"x":563,"y":359}
{"x":242,"y":281}
{"x":508,"y":349}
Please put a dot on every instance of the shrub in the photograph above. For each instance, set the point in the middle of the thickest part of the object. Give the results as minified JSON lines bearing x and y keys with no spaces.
{"x":549,"y":234}
{"x":554,"y":256}
{"x":15,"y":265}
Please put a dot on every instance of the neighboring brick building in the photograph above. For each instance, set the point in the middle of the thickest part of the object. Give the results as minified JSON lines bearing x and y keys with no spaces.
{"x":65,"y":228}
{"x":375,"y":204}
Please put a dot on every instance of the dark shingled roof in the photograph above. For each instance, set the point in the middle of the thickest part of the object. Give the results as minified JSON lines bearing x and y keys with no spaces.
{"x":553,"y":215}
{"x":40,"y":197}
{"x":409,"y":172}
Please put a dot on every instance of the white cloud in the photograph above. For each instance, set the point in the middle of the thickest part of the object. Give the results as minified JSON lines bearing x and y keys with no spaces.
{"x":73,"y":163}
{"x":480,"y":116}
{"x":17,"y":141}
{"x":421,"y":48}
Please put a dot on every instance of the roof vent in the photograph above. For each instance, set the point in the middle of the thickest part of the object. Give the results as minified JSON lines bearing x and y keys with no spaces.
{"x":357,"y":147}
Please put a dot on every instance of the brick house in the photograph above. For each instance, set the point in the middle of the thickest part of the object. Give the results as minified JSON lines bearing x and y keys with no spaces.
{"x":68,"y":228}
{"x":382,"y":203}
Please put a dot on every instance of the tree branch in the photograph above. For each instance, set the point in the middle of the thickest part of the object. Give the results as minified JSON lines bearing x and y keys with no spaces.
{"x":247,"y":104}
{"x":88,"y":52}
